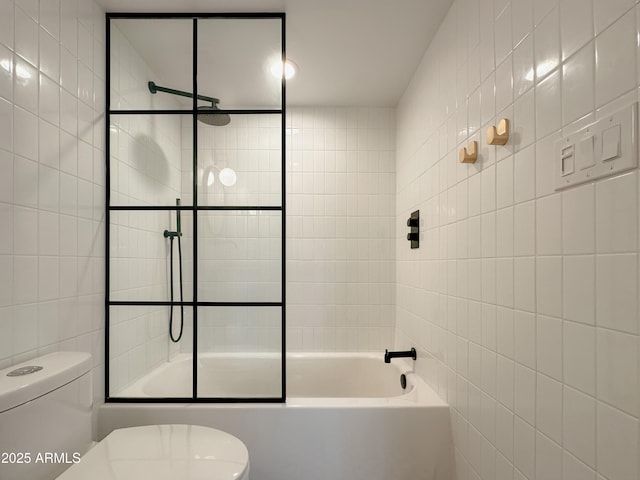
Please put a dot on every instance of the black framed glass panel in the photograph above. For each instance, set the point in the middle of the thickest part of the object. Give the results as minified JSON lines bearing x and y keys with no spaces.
{"x":195,"y":217}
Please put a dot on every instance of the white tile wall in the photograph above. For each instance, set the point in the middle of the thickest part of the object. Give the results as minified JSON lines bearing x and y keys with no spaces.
{"x":340,"y":230}
{"x":51,"y":202}
{"x":550,"y":390}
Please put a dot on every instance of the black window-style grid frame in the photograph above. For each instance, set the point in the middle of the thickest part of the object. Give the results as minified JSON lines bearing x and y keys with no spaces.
{"x":194,"y":208}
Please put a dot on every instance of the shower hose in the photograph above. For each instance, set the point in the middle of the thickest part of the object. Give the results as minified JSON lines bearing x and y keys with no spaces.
{"x":174,"y":339}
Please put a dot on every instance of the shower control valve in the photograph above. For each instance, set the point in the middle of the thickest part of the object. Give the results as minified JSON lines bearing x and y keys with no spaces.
{"x":414,"y":224}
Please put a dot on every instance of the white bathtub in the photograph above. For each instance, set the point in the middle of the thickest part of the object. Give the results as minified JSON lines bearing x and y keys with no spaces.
{"x":346,"y":415}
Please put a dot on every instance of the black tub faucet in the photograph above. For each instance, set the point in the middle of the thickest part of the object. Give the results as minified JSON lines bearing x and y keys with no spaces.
{"x":407,"y":353}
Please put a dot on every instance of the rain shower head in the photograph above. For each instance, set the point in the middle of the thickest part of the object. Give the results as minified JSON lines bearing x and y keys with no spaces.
{"x":208,"y":116}
{"x":211,"y":114}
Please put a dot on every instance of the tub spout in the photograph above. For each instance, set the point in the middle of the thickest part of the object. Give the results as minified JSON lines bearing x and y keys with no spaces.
{"x":407,"y":353}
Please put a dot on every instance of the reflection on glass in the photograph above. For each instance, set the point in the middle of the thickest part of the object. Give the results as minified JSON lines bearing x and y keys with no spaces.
{"x":143,"y":363}
{"x":234,"y":62}
{"x":146,"y":159}
{"x":239,"y":256}
{"x":157,"y":50}
{"x":225,"y":336}
{"x":139,"y":256}
{"x":240,"y":163}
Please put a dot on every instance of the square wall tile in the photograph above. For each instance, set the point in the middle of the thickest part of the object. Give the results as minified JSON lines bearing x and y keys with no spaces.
{"x":522,"y":19}
{"x":25,"y":280}
{"x":504,"y":431}
{"x":549,"y":104}
{"x":547,"y":44}
{"x":505,"y":330}
{"x":549,"y":286}
{"x":617,"y":292}
{"x":616,"y":60}
{"x":549,"y":225}
{"x":505,"y":382}
{"x":525,"y":393}
{"x":524,"y":120}
{"x":6,"y":125}
{"x":549,"y":407}
{"x":488,"y":99}
{"x":524,"y":175}
{"x":523,"y":72}
{"x":617,"y":372}
{"x":504,"y":236}
{"x":6,"y":73}
{"x":549,"y":346}
{"x":504,"y":282}
{"x":26,"y":33}
{"x":504,"y":182}
{"x":6,"y":280}
{"x":578,"y":288}
{"x":504,"y":84}
{"x":579,"y":352}
{"x":576,"y":25}
{"x":618,"y":443}
{"x":7,"y":23}
{"x":6,"y":179}
{"x":578,"y":214}
{"x":578,"y":89}
{"x":25,"y":181}
{"x":525,"y":338}
{"x":524,"y":284}
{"x":548,"y":458}
{"x":49,"y":55}
{"x":605,"y":12}
{"x":26,"y":134}
{"x":545,"y":165}
{"x":50,"y":17}
{"x":6,"y":234}
{"x":525,"y":229}
{"x":617,"y":214}
{"x":579,"y":425}
{"x":503,"y":34}
{"x":541,"y":9}
{"x":26,"y":85}
{"x":524,"y":447}
{"x":574,"y":469}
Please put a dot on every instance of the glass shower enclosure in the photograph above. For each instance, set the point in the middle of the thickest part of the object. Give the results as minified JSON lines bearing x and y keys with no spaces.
{"x":195,"y":236}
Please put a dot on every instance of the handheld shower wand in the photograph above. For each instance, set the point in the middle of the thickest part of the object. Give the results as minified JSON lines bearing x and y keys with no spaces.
{"x":171,"y":235}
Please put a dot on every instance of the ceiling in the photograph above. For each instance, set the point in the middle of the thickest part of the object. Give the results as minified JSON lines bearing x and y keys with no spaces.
{"x":349,"y":52}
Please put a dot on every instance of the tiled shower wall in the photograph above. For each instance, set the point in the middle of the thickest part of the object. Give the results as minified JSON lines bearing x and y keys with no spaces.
{"x":525,"y":297}
{"x":52,"y":81}
{"x":340,"y":230}
{"x":340,"y":233}
{"x":239,"y":252}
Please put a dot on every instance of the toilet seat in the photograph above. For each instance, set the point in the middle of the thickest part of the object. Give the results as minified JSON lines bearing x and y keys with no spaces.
{"x":164,"y":452}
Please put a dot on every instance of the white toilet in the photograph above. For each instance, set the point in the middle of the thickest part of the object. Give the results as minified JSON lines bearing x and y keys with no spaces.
{"x":45,"y":433}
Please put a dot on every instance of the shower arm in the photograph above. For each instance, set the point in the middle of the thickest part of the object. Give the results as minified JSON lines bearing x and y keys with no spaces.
{"x":153,"y":88}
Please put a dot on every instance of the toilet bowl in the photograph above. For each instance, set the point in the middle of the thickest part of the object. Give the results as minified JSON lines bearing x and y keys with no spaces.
{"x":164,"y":452}
{"x":45,"y":413}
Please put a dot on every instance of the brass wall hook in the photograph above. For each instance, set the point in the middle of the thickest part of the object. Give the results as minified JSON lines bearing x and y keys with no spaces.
{"x":469,"y":155}
{"x":498,"y":135}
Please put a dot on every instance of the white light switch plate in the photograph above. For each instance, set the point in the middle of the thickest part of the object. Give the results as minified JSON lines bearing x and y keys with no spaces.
{"x":627,"y":120}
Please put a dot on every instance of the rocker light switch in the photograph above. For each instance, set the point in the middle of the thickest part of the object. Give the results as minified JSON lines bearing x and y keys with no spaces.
{"x":611,"y":143}
{"x":606,"y":147}
{"x":584,"y":153}
{"x":567,"y":160}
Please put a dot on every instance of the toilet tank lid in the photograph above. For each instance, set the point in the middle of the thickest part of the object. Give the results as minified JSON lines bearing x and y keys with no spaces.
{"x":58,"y":369}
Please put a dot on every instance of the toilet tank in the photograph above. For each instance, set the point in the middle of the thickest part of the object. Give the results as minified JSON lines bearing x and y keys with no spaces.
{"x":45,"y":415}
